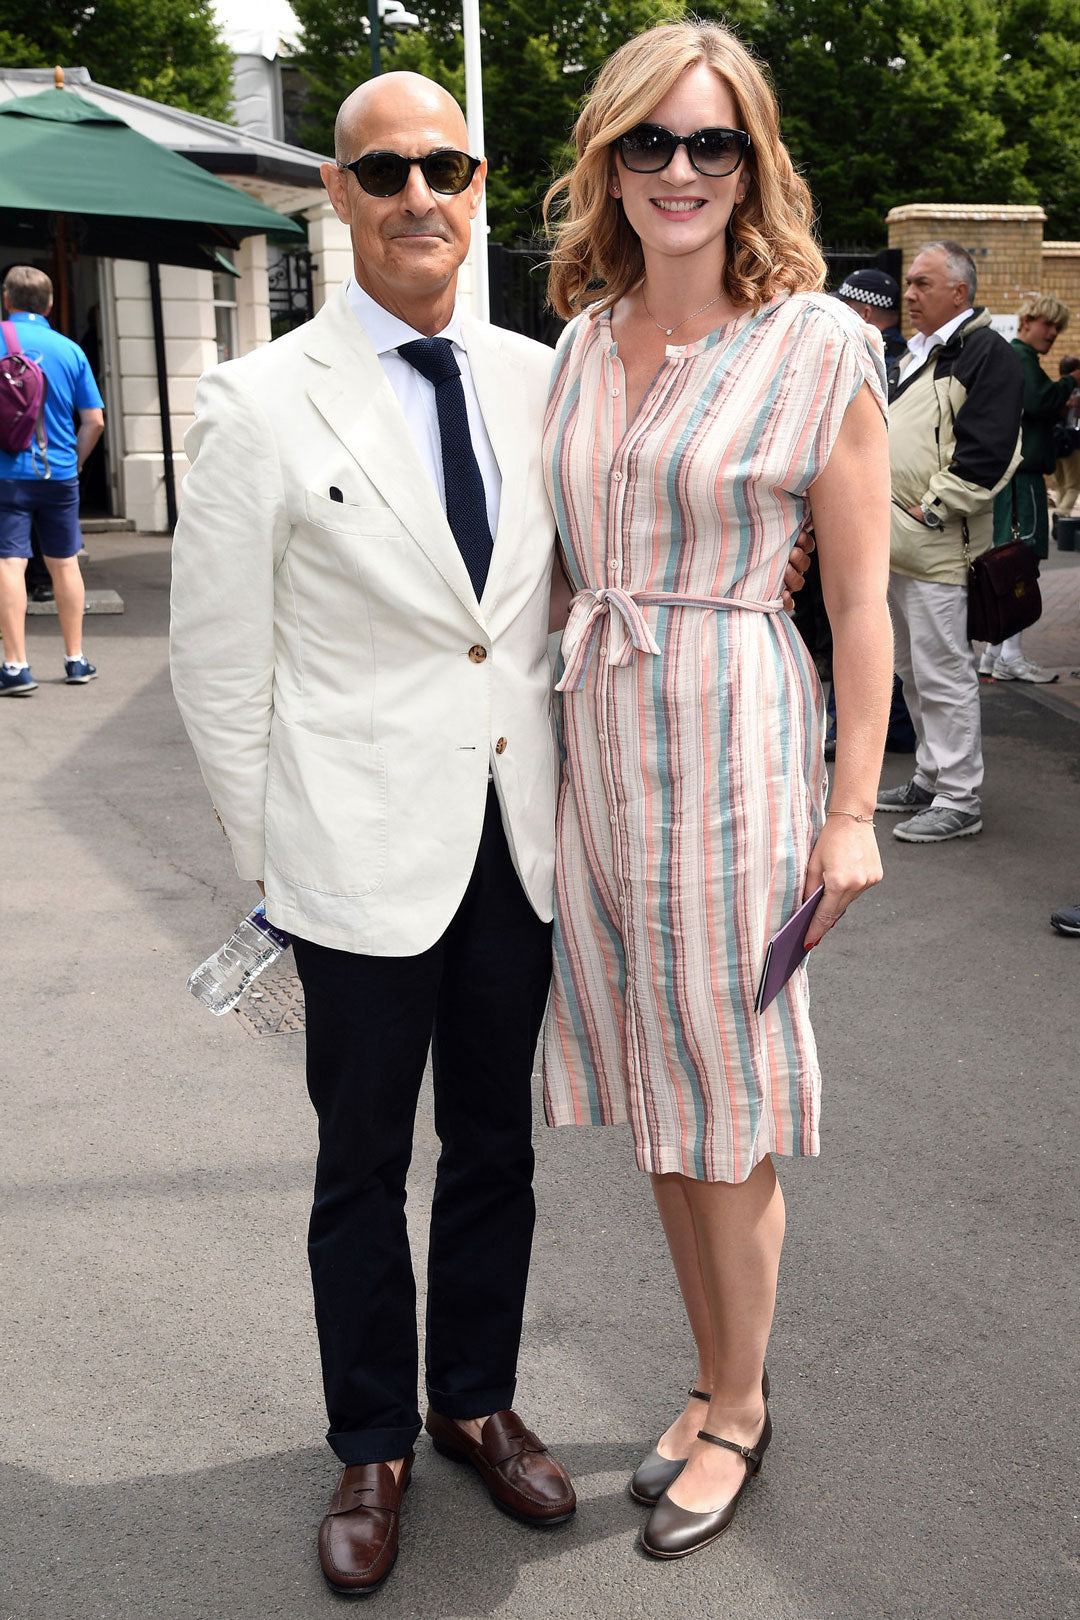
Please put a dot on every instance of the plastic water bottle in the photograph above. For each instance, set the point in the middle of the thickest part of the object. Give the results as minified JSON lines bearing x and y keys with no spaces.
{"x":222,"y":979}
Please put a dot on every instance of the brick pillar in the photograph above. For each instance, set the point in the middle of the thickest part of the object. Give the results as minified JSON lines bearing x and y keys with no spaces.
{"x":1061,"y":278}
{"x":1006,"y":242}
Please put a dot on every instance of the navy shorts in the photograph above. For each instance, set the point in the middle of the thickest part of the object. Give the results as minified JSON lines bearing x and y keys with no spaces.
{"x":52,"y":505}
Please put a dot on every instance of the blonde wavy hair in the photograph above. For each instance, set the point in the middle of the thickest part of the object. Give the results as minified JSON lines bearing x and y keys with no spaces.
{"x":596,"y":254}
{"x":1043,"y":306}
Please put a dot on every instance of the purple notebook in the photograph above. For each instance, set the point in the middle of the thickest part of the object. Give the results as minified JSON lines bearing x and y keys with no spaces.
{"x":785,"y":952}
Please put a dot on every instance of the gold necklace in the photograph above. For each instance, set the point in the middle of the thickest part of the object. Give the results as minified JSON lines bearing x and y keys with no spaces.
{"x":669,"y":329}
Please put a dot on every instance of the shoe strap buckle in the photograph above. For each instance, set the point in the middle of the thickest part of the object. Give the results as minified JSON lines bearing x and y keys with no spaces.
{"x":746,"y":1452}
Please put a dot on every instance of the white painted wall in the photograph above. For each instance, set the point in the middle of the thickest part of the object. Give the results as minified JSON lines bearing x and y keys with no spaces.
{"x":187,"y":310}
{"x":252,"y":295}
{"x":331,"y":251}
{"x":257,"y":96}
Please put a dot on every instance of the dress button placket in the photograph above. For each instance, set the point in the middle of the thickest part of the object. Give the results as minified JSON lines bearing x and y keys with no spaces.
{"x":607,"y":730}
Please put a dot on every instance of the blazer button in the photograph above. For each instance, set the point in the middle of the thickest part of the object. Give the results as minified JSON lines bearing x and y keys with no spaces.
{"x":500,"y":746}
{"x":478,"y":654}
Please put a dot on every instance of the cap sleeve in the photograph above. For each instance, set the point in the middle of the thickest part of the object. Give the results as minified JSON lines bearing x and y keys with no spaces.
{"x":837,"y":354}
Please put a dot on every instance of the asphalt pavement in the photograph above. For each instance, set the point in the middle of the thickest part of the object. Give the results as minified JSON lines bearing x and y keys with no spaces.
{"x":161,"y":1450}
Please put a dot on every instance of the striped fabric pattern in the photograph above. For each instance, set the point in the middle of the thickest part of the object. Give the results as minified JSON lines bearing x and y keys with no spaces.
{"x":693,"y":783}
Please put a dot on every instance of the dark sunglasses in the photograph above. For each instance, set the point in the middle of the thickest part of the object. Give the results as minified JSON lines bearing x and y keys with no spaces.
{"x":384,"y":174}
{"x":648,"y":148}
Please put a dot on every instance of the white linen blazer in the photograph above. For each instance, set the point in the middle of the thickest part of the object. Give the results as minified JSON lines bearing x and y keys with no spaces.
{"x":345,"y":693}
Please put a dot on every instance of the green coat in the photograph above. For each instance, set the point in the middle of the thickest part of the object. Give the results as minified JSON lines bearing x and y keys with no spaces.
{"x":1043,"y":400}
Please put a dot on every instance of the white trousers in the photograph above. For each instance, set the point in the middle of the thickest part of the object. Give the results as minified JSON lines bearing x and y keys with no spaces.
{"x":941,"y":688}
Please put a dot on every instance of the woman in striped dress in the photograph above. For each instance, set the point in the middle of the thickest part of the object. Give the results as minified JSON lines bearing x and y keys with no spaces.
{"x":707,"y":402}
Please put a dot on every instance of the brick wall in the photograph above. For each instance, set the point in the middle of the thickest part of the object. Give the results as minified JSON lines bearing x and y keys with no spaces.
{"x":1005,"y":241}
{"x":1061,"y":277}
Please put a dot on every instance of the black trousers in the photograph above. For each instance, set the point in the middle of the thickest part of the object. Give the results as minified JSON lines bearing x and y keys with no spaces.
{"x":477,"y":999}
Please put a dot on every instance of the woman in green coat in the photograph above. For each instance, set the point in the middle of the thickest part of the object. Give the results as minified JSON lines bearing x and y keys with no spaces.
{"x":1021,"y":506}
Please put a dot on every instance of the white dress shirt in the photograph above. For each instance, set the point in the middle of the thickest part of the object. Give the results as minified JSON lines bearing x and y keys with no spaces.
{"x":416,"y":395}
{"x":920,"y":346}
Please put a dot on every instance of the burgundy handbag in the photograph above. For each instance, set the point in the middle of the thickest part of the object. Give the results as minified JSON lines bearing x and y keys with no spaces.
{"x":1003,"y":589}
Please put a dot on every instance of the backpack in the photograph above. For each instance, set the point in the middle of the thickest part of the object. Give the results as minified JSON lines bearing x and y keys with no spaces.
{"x":23,"y":389}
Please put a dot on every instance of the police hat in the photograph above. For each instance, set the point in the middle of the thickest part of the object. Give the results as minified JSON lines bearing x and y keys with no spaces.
{"x":870,"y":287}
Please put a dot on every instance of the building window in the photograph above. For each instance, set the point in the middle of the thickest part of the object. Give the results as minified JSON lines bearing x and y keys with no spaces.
{"x":225,"y":315}
{"x":293,"y":98}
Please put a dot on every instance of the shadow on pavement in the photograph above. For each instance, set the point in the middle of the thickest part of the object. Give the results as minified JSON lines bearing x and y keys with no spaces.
{"x":237,"y":1542}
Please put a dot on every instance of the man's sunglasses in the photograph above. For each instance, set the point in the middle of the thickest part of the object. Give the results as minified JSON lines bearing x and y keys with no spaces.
{"x":384,"y":174}
{"x":648,"y":148}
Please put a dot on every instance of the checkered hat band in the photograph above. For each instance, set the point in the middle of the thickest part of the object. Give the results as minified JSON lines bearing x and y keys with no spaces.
{"x":861,"y":296}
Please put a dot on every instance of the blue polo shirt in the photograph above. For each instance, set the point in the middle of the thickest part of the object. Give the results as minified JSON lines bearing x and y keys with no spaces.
{"x":71,"y":388}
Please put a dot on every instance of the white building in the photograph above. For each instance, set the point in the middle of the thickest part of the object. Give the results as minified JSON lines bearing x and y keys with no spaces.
{"x":208,"y":316}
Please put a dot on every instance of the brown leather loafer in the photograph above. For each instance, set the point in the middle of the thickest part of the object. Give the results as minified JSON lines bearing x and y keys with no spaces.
{"x":358,"y":1539}
{"x":520,"y":1473}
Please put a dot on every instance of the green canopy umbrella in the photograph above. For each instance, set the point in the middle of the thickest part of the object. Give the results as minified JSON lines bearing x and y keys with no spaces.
{"x":74,"y":177}
{"x":121,"y":195}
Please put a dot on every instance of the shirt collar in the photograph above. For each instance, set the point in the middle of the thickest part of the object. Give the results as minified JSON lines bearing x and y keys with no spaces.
{"x":26,"y":315}
{"x":385,"y":331}
{"x":920,"y":346}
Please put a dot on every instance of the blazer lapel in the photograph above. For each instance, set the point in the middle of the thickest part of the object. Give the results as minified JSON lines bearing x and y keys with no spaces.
{"x":349,"y":389}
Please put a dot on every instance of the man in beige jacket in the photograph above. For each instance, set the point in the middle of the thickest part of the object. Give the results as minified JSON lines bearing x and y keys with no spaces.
{"x":954,"y":440}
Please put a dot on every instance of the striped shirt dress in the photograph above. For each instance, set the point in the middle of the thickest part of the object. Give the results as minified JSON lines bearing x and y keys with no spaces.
{"x":693,"y":780}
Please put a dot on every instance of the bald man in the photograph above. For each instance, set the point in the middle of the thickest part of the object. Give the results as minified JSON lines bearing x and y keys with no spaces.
{"x":360,"y":612}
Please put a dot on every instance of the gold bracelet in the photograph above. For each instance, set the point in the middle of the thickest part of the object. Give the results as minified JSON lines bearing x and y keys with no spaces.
{"x":868,"y":820}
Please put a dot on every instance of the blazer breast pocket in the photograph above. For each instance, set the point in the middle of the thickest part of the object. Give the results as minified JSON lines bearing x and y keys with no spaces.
{"x":345,"y":517}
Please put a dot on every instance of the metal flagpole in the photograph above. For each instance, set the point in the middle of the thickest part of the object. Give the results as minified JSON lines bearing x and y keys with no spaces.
{"x":474,"y":115}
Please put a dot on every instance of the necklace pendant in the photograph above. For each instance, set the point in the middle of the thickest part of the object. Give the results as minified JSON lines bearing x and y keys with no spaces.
{"x":668,"y":330}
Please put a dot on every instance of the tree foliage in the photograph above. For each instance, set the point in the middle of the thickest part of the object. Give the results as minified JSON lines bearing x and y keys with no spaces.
{"x":171,"y":51}
{"x":1036,"y":101}
{"x":538,"y":59}
{"x":886,"y":101}
{"x":883,"y":101}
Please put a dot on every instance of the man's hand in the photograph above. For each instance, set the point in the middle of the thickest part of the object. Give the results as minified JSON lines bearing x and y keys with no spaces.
{"x":797,"y":564}
{"x":916,"y":512}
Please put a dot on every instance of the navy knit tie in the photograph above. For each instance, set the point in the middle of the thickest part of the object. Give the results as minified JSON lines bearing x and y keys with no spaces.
{"x":466,"y":504}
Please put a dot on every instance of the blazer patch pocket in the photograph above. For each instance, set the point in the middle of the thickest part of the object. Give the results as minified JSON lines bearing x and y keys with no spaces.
{"x":326,"y":811}
{"x":345,"y":517}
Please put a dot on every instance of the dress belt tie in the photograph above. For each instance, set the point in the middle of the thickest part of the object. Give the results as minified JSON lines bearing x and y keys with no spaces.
{"x":628,"y":631}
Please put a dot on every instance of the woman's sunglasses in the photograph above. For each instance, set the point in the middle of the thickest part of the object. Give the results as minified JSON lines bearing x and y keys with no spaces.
{"x":384,"y":174}
{"x":648,"y":148}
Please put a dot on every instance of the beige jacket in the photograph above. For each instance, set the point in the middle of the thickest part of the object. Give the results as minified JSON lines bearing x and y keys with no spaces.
{"x":954,"y":441}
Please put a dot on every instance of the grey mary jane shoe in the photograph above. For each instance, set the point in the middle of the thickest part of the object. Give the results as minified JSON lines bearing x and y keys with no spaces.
{"x":653,"y":1476}
{"x":674,"y":1532}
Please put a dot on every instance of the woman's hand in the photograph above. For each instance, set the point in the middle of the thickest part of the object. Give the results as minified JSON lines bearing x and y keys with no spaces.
{"x":846,"y":859}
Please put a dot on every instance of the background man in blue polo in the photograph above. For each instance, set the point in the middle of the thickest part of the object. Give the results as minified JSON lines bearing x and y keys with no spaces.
{"x":52,"y":504}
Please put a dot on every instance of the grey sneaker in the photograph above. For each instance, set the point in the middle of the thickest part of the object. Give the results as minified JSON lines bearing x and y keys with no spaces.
{"x":1066,"y":921}
{"x":908,"y":797}
{"x":934,"y":825}
{"x":1021,"y":669}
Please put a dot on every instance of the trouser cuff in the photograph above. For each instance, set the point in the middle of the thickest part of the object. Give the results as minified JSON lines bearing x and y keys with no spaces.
{"x":372,"y":1445}
{"x":474,"y":1403}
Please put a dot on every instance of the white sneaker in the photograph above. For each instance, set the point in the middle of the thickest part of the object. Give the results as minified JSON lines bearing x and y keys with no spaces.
{"x":1021,"y":669}
{"x":986,"y":664}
